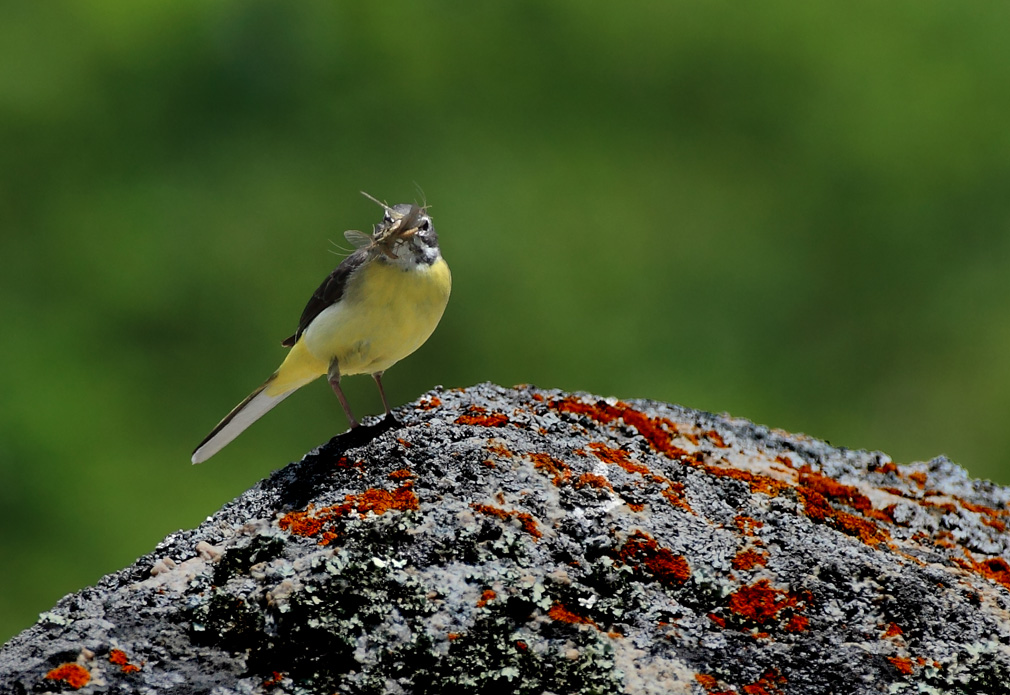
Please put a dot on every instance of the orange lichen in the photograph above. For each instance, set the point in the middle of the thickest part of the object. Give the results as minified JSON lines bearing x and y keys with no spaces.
{"x":564,"y":615}
{"x":312,"y":522}
{"x":892,"y":630}
{"x":757,"y":483}
{"x":864,"y":530}
{"x":715,"y":438}
{"x":995,"y":568}
{"x":747,"y":524}
{"x":401,"y":499}
{"x":303,"y":523}
{"x":486,"y":597}
{"x":982,"y":509}
{"x":822,"y":498}
{"x":453,"y":636}
{"x":527,"y":521}
{"x":990,"y":516}
{"x":429,"y":403}
{"x":529,"y":524}
{"x":832,"y":489}
{"x":901,"y":663}
{"x":945,"y":507}
{"x":275,"y":679}
{"x":593,"y":480}
{"x":817,"y":508}
{"x":499,"y":449}
{"x":797,"y":623}
{"x":401,"y":474}
{"x":404,"y":443}
{"x":890,"y":512}
{"x":600,"y":411}
{"x":944,"y":539}
{"x":673,"y":492}
{"x":477,"y":415}
{"x":710,"y":684}
{"x":749,"y":559}
{"x":658,"y":432}
{"x":995,"y":523}
{"x":641,"y":551}
{"x":558,"y":470}
{"x":706,"y":681}
{"x":617,"y":456}
{"x":768,"y":684}
{"x":73,"y":675}
{"x":759,"y":602}
{"x":381,"y":501}
{"x":119,"y":658}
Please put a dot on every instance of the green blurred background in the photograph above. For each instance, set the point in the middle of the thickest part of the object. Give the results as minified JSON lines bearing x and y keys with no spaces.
{"x":797,"y":213}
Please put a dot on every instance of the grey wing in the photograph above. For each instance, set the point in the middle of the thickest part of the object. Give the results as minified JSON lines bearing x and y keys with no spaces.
{"x":329,"y":292}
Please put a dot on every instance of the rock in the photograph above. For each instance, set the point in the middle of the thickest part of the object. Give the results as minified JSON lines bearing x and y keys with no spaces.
{"x":530,"y":541}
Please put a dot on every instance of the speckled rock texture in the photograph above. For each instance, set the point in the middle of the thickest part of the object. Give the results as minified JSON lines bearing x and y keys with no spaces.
{"x":530,"y":541}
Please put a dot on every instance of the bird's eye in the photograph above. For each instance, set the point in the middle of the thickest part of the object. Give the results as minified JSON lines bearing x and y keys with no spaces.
{"x":425,"y":225}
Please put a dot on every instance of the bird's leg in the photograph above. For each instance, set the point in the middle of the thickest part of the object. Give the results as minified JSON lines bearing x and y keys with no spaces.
{"x":334,"y":378}
{"x":385,"y":404}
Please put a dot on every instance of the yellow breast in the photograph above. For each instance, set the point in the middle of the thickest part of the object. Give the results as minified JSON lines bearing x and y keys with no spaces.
{"x":385,"y":314}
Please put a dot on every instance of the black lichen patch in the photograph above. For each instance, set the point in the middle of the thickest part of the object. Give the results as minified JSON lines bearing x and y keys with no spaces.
{"x":349,"y":600}
{"x":490,"y":658}
{"x":988,"y":678}
{"x":236,"y":561}
{"x":228,"y":622}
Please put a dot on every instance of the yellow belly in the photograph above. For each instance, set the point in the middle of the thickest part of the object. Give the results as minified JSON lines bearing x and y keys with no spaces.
{"x":386,"y":313}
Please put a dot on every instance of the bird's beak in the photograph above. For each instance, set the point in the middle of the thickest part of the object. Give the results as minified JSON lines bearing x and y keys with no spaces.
{"x":409,"y":233}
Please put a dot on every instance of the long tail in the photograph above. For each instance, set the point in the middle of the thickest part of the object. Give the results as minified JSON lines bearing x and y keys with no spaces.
{"x":298,"y":369}
{"x":244,"y":414}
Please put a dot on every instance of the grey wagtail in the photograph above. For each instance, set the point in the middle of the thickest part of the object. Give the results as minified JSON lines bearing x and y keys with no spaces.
{"x":378,"y":306}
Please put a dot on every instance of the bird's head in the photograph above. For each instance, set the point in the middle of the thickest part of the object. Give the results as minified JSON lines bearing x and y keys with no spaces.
{"x":406,"y":235}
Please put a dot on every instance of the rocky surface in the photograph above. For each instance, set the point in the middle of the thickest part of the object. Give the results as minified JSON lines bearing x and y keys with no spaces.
{"x":528,"y":541}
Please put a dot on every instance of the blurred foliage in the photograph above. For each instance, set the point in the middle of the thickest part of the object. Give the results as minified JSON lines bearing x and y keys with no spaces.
{"x":794,"y":213}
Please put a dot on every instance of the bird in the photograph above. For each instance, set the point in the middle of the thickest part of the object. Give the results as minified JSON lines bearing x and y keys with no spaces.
{"x":380,"y":304}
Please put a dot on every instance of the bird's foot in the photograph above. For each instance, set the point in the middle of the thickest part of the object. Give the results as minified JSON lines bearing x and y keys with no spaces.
{"x":360,"y":434}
